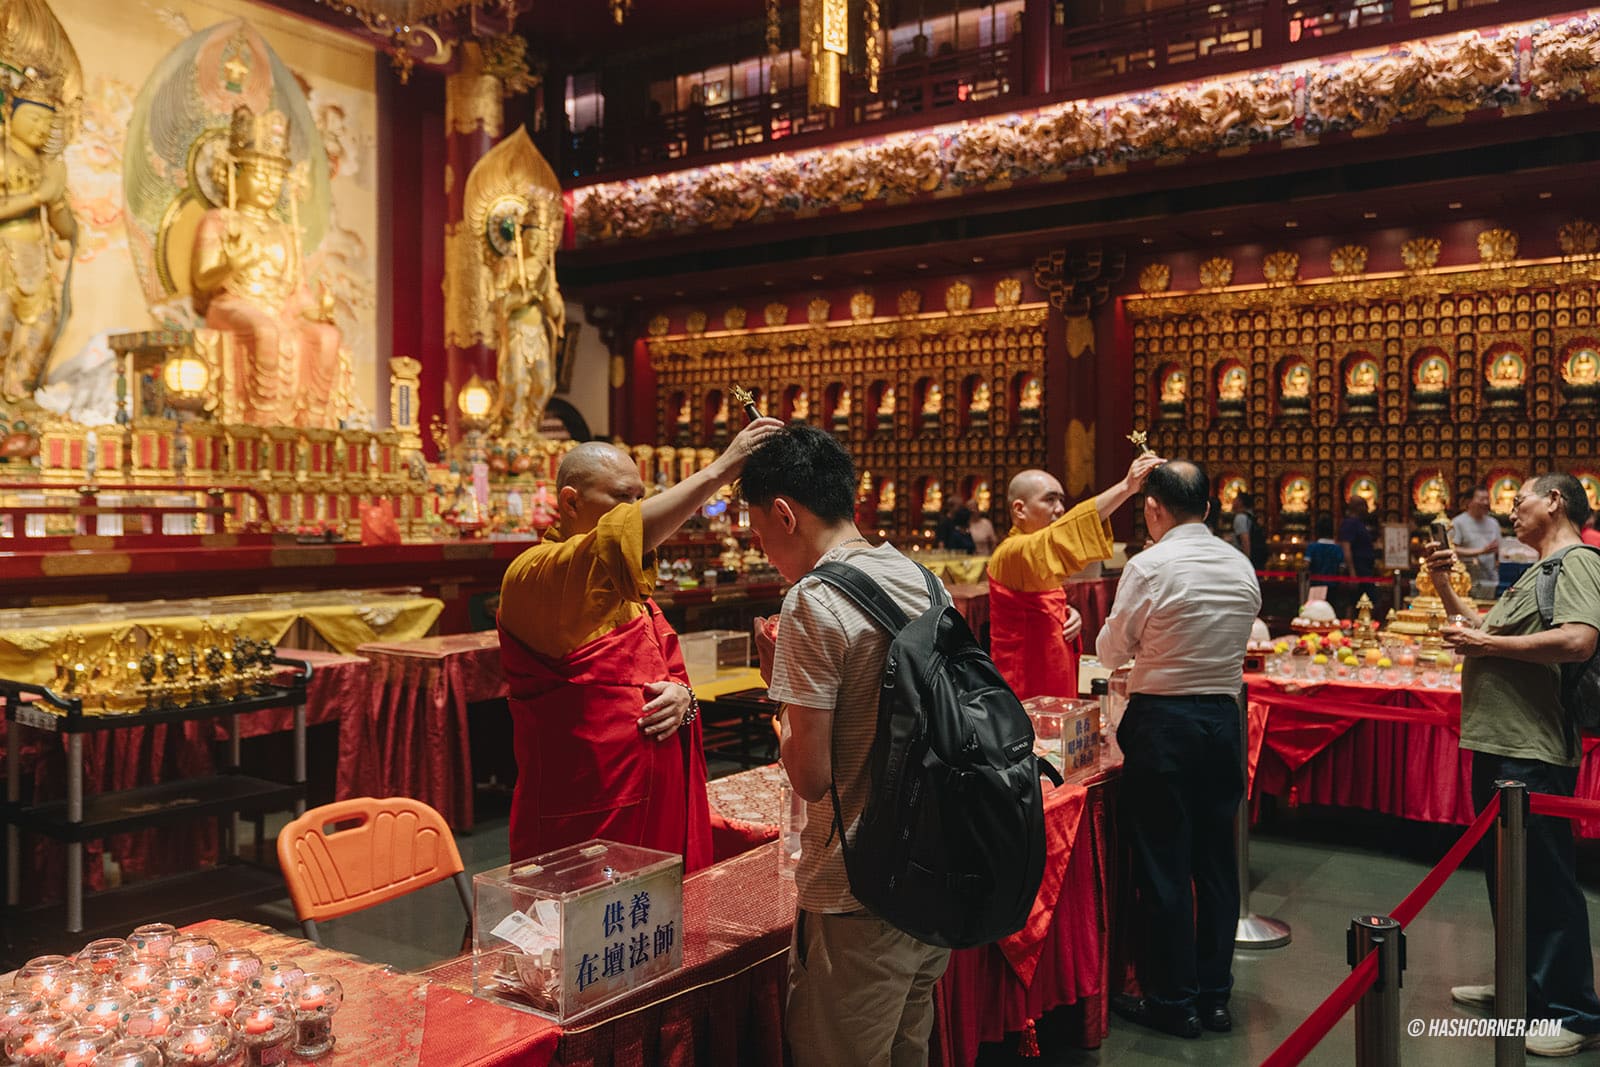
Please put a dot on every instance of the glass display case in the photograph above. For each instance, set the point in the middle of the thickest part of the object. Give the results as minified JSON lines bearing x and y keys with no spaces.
{"x":710,"y":652}
{"x":572,"y":930}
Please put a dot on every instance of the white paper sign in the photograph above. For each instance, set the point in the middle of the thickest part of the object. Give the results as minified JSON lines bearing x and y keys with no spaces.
{"x":1396,"y":546}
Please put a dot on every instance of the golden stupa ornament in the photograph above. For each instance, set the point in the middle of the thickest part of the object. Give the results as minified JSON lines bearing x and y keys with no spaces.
{"x":1349,"y":261}
{"x":1140,"y":441}
{"x":1420,"y":254}
{"x":1155,"y":278}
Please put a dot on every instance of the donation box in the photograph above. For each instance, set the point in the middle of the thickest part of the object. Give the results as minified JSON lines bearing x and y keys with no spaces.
{"x":1066,"y":732}
{"x":571,"y":930}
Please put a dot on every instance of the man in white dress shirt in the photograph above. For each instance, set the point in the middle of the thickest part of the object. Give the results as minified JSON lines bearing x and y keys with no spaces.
{"x":1183,"y":612}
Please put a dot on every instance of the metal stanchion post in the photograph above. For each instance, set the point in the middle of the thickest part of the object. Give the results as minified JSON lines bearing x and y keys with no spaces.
{"x":1253,"y":931}
{"x":1511,"y":918}
{"x":1378,"y":1011}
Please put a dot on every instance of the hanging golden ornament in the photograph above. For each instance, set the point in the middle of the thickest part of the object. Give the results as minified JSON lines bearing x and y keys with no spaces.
{"x":620,"y":9}
{"x":825,"y":30}
{"x":874,"y":49}
{"x":774,"y":28}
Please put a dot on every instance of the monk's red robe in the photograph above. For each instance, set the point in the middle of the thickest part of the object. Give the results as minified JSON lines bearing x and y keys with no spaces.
{"x":585,"y":769}
{"x":1026,"y":644}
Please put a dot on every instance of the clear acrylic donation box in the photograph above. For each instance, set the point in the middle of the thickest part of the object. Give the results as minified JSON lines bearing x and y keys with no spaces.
{"x":571,"y":930}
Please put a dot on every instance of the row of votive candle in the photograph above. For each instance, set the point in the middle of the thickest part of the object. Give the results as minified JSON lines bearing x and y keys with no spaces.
{"x":160,"y":998}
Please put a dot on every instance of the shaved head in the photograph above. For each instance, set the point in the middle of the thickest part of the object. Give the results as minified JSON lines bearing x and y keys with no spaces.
{"x":594,"y":478}
{"x":589,"y":461}
{"x":1028,"y":483}
{"x":1035,"y":499}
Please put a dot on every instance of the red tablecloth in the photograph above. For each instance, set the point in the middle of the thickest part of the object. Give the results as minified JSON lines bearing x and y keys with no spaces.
{"x":1396,"y":751}
{"x":414,"y":729}
{"x":147,"y":755}
{"x":401,"y":1020}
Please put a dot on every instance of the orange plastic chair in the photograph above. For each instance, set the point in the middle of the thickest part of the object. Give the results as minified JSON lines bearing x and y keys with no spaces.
{"x":397,"y":845}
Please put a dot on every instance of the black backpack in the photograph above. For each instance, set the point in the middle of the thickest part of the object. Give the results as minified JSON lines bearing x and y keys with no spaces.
{"x":950,"y":845}
{"x":1580,"y":682}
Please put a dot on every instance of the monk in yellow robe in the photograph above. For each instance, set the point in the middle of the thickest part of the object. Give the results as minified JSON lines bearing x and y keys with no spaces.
{"x":604,"y":722}
{"x":1034,"y":634}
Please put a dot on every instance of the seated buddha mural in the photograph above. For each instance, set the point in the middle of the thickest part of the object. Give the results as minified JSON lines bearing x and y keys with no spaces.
{"x":287,"y":368}
{"x":1361,"y":385}
{"x":1580,"y":374}
{"x":1506,"y":373}
{"x":1430,"y":382}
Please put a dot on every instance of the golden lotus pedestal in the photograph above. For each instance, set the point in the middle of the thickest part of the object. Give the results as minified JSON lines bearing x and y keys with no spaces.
{"x":1424,"y":613}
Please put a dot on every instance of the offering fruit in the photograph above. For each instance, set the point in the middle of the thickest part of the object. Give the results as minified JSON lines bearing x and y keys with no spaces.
{"x":1444,"y":659}
{"x":1319,"y":658}
{"x":1385,"y":663}
{"x":1281,"y":648}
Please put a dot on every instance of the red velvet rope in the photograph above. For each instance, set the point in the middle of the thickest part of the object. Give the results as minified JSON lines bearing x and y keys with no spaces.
{"x":1298,"y":1045}
{"x":1333,"y":579}
{"x":1567,"y":807}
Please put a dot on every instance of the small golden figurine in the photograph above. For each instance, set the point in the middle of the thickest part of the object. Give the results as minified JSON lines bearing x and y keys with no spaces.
{"x":745,"y":399}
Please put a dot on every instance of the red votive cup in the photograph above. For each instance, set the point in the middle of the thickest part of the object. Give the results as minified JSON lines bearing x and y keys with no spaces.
{"x":36,"y":1039}
{"x":141,"y":978}
{"x":42,"y":974}
{"x":266,"y":1028}
{"x":199,"y":1039}
{"x":218,"y":998}
{"x":235,"y":967}
{"x":105,"y":1005}
{"x":149,"y":1018}
{"x":130,"y":1052}
{"x":191,"y":952}
{"x":105,"y":955}
{"x":277,"y":978}
{"x":81,"y":1046}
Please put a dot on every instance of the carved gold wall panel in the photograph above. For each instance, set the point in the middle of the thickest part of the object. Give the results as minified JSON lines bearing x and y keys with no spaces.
{"x":931,"y":405}
{"x":1465,"y":375}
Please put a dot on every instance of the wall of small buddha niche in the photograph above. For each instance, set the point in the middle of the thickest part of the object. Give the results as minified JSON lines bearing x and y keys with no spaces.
{"x":931,"y":401}
{"x":1406,"y":388}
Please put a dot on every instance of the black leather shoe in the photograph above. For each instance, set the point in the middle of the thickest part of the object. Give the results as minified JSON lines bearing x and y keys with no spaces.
{"x":1216,"y":1018}
{"x":1179,"y":1022}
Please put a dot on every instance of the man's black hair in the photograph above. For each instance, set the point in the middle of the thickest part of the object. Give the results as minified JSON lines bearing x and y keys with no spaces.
{"x":1182,"y":488}
{"x":1242,"y":499}
{"x":1324,"y":527}
{"x":806,"y":465}
{"x":1572,"y":494}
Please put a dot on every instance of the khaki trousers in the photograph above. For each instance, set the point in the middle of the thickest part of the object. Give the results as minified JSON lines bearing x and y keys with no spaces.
{"x":860,"y":992}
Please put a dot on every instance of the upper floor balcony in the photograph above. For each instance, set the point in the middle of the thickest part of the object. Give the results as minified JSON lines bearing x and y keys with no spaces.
{"x":620,"y":120}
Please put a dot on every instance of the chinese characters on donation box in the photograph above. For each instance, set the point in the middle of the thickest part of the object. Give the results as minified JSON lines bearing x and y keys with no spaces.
{"x":574,"y":929}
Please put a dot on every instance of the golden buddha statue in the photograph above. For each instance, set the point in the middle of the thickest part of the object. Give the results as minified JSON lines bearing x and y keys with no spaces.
{"x":1503,"y":494}
{"x":719,"y":417}
{"x":1297,"y":496}
{"x":800,"y":411}
{"x":512,"y":206}
{"x":1583,"y":368}
{"x":1232,"y":385}
{"x":886,"y":402}
{"x":1297,"y":382}
{"x":1431,"y":496}
{"x":685,"y":415}
{"x":249,"y":282}
{"x":1432,"y":374}
{"x":1363,"y":379}
{"x":38,"y":232}
{"x":1032,"y":398}
{"x":933,"y":400}
{"x":933,"y":498}
{"x":842,"y":408}
{"x":982,"y":498}
{"x":982,"y":399}
{"x":1174,"y":388}
{"x":886,"y":496}
{"x":1506,"y":373}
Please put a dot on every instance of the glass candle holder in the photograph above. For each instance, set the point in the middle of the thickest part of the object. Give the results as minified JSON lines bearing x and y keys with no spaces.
{"x":148,"y":1017}
{"x":42,"y":974}
{"x":15,"y":1006}
{"x":277,"y":978}
{"x":219,"y":999}
{"x":140,"y":978}
{"x":105,"y":955}
{"x":71,"y":995}
{"x":36,"y":1039}
{"x":153,"y":940}
{"x":176,"y":987}
{"x":130,"y":1052}
{"x":235,"y":967}
{"x":266,"y":1029}
{"x":199,"y":1039}
{"x":81,"y":1046}
{"x":105,"y":1005}
{"x":191,"y":952}
{"x":315,"y":997}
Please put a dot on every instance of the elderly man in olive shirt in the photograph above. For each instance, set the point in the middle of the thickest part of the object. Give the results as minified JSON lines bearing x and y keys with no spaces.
{"x":1513,"y":722}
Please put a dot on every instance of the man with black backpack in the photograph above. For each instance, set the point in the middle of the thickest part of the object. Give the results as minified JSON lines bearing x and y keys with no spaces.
{"x":924,"y":823}
{"x":1526,"y":687}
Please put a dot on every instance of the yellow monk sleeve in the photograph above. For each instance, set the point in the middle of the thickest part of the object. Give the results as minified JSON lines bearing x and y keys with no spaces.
{"x":564,"y":592}
{"x":1042,"y":560}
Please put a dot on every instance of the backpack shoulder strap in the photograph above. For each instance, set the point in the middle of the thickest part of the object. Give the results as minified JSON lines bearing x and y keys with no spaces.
{"x":1544,"y":587}
{"x":878,"y":605}
{"x":937,"y":594}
